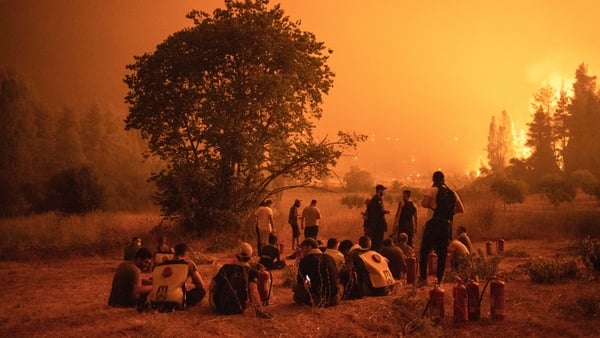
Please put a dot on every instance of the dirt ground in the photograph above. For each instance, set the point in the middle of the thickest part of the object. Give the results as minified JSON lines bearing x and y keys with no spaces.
{"x":68,"y":298}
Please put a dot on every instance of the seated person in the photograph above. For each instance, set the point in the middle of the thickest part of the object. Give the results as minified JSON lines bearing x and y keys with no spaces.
{"x":462,"y":236}
{"x":396,"y":258}
{"x":408,"y":250}
{"x":195,"y":293}
{"x":132,"y":248}
{"x":269,"y":256}
{"x":128,"y":287}
{"x":332,"y":250}
{"x":458,"y":253}
{"x":163,"y":246}
{"x":235,"y":286}
{"x":164,"y":252}
{"x":372,"y":271}
{"x":317,"y":277}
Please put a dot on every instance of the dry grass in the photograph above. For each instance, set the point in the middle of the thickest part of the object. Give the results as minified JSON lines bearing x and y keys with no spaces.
{"x":67,"y":298}
{"x":65,"y":295}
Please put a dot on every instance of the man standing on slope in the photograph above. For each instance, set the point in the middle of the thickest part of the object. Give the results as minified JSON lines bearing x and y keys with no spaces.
{"x":442,"y":204}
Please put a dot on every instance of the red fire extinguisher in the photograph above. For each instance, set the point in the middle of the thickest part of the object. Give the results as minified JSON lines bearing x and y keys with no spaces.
{"x":432,"y":259}
{"x":488,"y":248}
{"x":500,"y":246}
{"x":282,"y":248}
{"x":460,"y":302}
{"x":436,"y":303}
{"x":473,"y":300}
{"x":497,"y":288}
{"x":411,"y":270}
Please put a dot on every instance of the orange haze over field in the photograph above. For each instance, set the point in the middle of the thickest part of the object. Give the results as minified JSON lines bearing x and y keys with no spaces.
{"x":423,"y":78}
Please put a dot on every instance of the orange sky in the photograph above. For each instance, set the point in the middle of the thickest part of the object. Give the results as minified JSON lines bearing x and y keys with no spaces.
{"x":428,"y":75}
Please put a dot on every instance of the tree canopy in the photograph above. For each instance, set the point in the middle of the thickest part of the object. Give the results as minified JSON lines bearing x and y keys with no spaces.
{"x":230,"y":104}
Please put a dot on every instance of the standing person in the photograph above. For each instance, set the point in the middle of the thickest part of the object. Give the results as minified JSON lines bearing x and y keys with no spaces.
{"x":442,"y":203}
{"x":128,"y":287}
{"x":293,"y":221}
{"x":264,"y":224}
{"x":316,"y":283}
{"x":406,"y":218}
{"x":375,"y":224}
{"x":310,"y":220}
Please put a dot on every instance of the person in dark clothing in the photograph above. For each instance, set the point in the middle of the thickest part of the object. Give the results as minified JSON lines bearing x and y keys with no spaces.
{"x":293,"y":221}
{"x":375,"y":223}
{"x":396,"y":258}
{"x":317,"y":281}
{"x":270,"y":257}
{"x":442,"y":204}
{"x":406,"y":218}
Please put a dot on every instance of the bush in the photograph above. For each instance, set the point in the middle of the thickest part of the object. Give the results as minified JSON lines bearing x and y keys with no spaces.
{"x":516,"y":251}
{"x":476,"y":266}
{"x":75,"y":191}
{"x":353,"y":201}
{"x":590,"y":253}
{"x":590,"y":306}
{"x":550,"y":271}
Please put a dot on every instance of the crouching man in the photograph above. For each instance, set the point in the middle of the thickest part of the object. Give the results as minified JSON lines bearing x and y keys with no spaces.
{"x":317,"y":282}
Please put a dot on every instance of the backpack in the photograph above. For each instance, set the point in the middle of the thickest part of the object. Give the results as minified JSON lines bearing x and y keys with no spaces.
{"x":445,"y":203}
{"x":230,"y":289}
{"x":168,"y":286}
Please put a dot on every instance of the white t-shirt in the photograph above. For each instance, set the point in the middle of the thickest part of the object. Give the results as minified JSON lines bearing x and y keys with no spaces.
{"x":263,"y":218}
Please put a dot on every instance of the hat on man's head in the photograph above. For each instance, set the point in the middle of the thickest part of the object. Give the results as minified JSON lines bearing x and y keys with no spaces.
{"x":310,"y":243}
{"x":380,"y":187}
{"x":244,"y":250}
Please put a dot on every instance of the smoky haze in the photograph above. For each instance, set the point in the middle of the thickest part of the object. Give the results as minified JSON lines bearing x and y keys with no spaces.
{"x":421,"y":79}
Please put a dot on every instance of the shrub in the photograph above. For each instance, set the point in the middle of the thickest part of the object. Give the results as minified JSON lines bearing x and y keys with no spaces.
{"x":590,"y":306}
{"x":75,"y":191}
{"x":550,"y":271}
{"x":590,"y":253}
{"x":476,"y":266}
{"x":516,"y":251}
{"x":353,"y":201}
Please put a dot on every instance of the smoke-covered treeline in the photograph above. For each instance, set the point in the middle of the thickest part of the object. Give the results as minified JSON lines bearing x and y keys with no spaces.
{"x":562,"y":142}
{"x":67,"y":160}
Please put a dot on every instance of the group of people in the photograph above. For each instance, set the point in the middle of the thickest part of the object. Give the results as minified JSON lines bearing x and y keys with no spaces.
{"x":176,"y":283}
{"x":442,"y":204}
{"x":325,"y":275}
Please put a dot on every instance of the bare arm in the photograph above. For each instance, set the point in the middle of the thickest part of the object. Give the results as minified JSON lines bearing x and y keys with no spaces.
{"x":142,"y":287}
{"x":459,"y":208}
{"x":197,"y":280}
{"x":426,"y":201}
{"x":254,"y":295}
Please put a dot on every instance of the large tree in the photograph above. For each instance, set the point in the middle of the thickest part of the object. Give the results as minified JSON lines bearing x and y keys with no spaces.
{"x":230,"y":104}
{"x":583,"y":124}
{"x":540,"y":136}
{"x":500,"y":146}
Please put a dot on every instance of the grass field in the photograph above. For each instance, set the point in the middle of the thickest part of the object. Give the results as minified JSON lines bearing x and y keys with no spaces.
{"x":57,"y":273}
